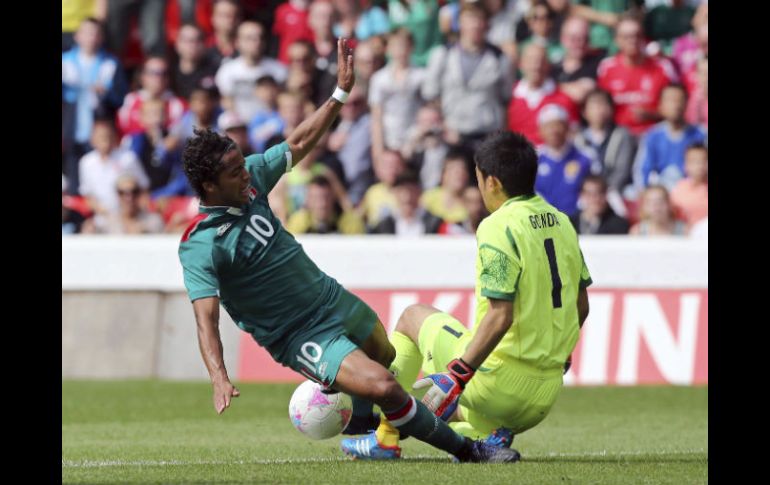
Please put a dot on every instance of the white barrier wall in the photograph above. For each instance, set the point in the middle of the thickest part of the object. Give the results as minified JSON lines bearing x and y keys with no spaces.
{"x":125,"y":314}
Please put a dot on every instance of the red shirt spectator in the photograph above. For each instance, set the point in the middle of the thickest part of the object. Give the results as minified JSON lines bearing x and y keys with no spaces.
{"x":154,"y":84}
{"x":291,"y":25}
{"x":534,"y":92}
{"x":634,"y":80}
{"x":635,"y":87}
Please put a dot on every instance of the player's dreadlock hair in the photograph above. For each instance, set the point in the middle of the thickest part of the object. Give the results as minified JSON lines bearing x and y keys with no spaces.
{"x":202,"y":157}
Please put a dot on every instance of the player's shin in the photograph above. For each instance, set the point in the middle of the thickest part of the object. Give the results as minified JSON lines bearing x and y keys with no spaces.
{"x":413,"y":418}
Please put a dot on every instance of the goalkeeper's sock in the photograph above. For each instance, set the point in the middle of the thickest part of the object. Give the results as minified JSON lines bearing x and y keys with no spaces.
{"x":406,"y":365}
{"x":413,"y":418}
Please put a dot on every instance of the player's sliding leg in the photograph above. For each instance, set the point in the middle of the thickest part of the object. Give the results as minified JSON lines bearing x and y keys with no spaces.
{"x":378,"y":348}
{"x":360,"y":376}
{"x":406,"y":366}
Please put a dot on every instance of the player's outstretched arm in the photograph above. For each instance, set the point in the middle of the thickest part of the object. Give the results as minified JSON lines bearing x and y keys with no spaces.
{"x":207,"y":316}
{"x":306,"y":135}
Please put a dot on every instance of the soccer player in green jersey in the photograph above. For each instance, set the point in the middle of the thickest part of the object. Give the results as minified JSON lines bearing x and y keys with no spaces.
{"x":237,"y":253}
{"x":502,"y":377}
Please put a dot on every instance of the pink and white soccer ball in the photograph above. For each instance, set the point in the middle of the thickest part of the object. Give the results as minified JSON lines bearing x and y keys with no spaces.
{"x":317,"y":415}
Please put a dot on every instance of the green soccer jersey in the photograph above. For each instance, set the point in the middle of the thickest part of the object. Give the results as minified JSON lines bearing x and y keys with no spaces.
{"x":263,"y":277}
{"x":528,"y":253}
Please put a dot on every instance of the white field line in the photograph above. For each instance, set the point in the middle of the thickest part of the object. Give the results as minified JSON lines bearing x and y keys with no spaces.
{"x":282,"y":461}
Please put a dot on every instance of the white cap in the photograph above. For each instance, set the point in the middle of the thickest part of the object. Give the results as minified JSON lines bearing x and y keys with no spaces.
{"x":552,"y":112}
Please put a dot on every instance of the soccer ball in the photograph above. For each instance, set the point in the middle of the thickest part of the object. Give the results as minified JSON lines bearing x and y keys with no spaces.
{"x":317,"y":415}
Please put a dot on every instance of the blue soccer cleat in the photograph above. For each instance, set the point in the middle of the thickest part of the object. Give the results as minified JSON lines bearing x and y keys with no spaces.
{"x":501,"y":437}
{"x":483,"y":452}
{"x":367,"y":448}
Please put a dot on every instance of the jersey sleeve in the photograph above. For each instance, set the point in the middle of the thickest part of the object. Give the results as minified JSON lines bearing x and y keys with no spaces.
{"x":266,"y":169}
{"x":200,"y":279}
{"x":499,"y":262}
{"x":585,"y":276}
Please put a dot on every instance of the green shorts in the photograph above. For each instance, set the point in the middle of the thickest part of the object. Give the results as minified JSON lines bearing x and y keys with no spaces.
{"x":317,"y":349}
{"x":507,"y":393}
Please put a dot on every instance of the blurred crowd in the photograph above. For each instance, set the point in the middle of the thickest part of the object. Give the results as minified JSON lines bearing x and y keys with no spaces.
{"x":614,"y":93}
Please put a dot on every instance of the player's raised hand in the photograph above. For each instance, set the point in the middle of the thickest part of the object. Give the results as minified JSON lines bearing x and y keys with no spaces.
{"x":224,"y":391}
{"x":345,"y":76}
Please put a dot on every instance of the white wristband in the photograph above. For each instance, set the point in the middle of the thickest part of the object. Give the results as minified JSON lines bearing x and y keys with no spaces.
{"x":340,"y":95}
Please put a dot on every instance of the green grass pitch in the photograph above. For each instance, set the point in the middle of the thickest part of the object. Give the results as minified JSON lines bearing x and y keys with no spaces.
{"x":168,"y":432}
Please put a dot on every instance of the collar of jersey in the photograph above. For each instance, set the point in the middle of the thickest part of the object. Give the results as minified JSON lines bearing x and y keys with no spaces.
{"x":518,"y":198}
{"x":220,"y":209}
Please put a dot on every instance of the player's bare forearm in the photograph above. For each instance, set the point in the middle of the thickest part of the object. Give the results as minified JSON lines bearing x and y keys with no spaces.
{"x":306,"y":135}
{"x":207,"y":316}
{"x":490,"y":331}
{"x":209,"y":341}
{"x":582,"y":304}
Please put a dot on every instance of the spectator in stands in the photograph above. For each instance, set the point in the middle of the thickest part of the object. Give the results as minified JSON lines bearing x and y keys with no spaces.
{"x":359,"y":20}
{"x":150,"y":14}
{"x":427,"y":145}
{"x":351,"y":141}
{"x":634,"y":80}
{"x":154,"y":85}
{"x":612,"y":145}
{"x":73,"y":13}
{"x":535,"y":91}
{"x":503,"y":17}
{"x":302,"y":59}
{"x":693,"y":46}
{"x":662,"y":149}
{"x":604,"y":17}
{"x":131,"y":217}
{"x":367,"y":60}
{"x":225,"y":17}
{"x":321,"y":20}
{"x":576,"y":72}
{"x":690,"y":197}
{"x":474,"y":205}
{"x":320,"y":214}
{"x":192,"y":67}
{"x":394,"y":95}
{"x":561,"y":165}
{"x":656,"y":216}
{"x":473,"y":80}
{"x":445,"y":201}
{"x":203,"y":113}
{"x":151,"y":145}
{"x":379,"y":200}
{"x":291,"y":25}
{"x":407,"y":218}
{"x":71,"y":220}
{"x":596,"y":216}
{"x":664,"y":23}
{"x":92,"y":81}
{"x":267,"y":122}
{"x":233,"y":126}
{"x":100,"y":168}
{"x":421,"y":18}
{"x":292,"y":108}
{"x":540,"y":20}
{"x":236,"y":78}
